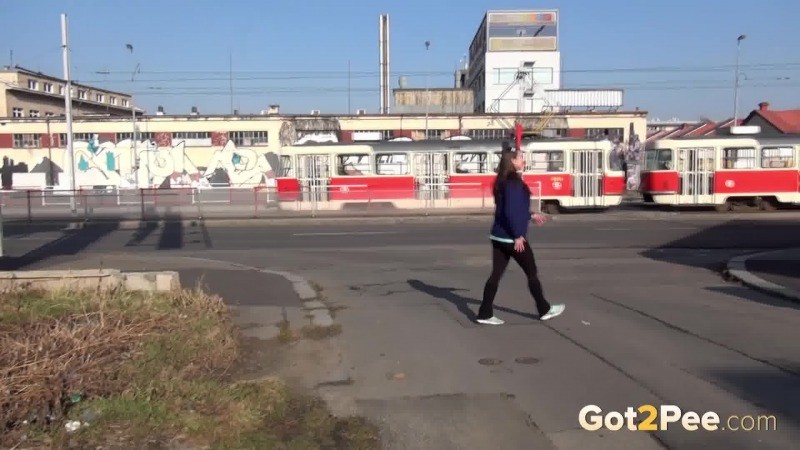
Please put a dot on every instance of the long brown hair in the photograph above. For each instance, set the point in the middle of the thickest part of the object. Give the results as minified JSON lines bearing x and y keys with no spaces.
{"x":506,"y":171}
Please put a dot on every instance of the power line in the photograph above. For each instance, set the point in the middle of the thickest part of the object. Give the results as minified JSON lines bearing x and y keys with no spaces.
{"x":306,"y":74}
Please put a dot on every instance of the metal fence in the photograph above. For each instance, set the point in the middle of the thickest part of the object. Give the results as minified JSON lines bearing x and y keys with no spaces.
{"x":240,"y":203}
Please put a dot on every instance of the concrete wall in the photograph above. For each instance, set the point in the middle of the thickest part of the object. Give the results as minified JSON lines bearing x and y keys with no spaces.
{"x":511,"y":61}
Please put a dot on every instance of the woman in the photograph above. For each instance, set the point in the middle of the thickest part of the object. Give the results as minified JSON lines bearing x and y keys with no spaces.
{"x":508,"y":236}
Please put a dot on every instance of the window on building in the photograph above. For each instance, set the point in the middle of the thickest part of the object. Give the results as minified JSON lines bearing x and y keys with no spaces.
{"x":605,"y":133}
{"x":112,"y":100}
{"x":33,"y":84}
{"x":27,"y":141}
{"x":48,"y":87}
{"x":99,"y":98}
{"x":470,"y":162}
{"x":249,"y":137}
{"x":140,"y":136}
{"x":353,"y":165}
{"x":739,"y":158}
{"x":542,"y":75}
{"x":542,"y":161}
{"x":17,"y":112}
{"x":61,"y":90}
{"x":391,"y":164}
{"x":777,"y":157}
{"x":49,"y":114}
{"x":434,"y":134}
{"x":82,"y":94}
{"x":372,"y":135}
{"x":126,"y":103}
{"x":193,"y":138}
{"x":191,"y":135}
{"x":489,"y":134}
{"x":504,"y":76}
{"x":34,"y":113}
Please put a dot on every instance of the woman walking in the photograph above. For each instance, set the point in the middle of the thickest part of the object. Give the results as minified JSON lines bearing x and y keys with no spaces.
{"x":509,"y":237}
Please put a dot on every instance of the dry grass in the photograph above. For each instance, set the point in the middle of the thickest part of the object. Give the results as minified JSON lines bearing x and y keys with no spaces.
{"x":145,"y":370}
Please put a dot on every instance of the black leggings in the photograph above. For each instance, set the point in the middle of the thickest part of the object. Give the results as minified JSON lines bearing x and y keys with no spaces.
{"x":501,"y":253}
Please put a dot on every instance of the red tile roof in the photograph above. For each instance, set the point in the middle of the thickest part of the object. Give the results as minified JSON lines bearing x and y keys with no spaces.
{"x":787,"y":120}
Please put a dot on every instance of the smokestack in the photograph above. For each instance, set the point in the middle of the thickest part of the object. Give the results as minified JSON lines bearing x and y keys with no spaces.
{"x":383,"y":50}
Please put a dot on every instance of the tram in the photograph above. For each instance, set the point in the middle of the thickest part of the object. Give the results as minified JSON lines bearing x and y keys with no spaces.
{"x":723,"y":171}
{"x":562,"y":173}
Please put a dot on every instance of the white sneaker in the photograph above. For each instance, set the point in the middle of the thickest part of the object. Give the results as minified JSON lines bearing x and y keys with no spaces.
{"x":491,"y":321}
{"x":555,"y":310}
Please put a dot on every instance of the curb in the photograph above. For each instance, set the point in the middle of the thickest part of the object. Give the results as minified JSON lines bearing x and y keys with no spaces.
{"x":320,"y":312}
{"x":737,"y":269}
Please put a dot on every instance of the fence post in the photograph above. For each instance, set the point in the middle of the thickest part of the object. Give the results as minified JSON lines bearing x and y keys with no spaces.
{"x":30,"y":214}
{"x":255,"y":202}
{"x":141,"y":202}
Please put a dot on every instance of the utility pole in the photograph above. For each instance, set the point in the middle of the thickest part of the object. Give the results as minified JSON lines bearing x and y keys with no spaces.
{"x":736,"y":82}
{"x":349,"y":111}
{"x":230,"y":76}
{"x":427,"y":86}
{"x":68,"y":107}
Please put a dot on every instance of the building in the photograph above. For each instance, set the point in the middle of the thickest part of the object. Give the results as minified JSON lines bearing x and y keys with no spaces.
{"x":774,"y":122}
{"x":25,"y":93}
{"x":240,"y":150}
{"x":437,"y":100}
{"x":515,"y":66}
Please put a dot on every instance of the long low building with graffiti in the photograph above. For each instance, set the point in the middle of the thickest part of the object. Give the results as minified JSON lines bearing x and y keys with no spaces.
{"x":246,"y":151}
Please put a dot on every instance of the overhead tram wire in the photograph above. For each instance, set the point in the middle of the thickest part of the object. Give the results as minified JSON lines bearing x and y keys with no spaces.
{"x":245,"y":75}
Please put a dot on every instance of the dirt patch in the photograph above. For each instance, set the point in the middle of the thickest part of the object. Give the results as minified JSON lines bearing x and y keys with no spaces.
{"x":146,"y":370}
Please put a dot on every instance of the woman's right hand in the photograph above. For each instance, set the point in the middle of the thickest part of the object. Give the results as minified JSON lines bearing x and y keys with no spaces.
{"x":519,"y":244}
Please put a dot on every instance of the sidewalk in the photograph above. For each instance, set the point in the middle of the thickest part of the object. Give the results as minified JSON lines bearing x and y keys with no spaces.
{"x":775,"y":272}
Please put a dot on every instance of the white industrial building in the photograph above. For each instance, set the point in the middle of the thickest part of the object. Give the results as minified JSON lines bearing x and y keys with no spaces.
{"x":514,"y":66}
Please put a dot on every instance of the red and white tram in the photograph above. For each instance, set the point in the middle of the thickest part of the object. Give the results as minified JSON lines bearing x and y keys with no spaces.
{"x":562,"y":173}
{"x":721,"y":171}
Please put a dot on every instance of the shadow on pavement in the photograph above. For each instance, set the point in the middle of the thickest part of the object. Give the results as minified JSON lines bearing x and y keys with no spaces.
{"x":71,"y":242}
{"x":774,"y":391}
{"x":742,"y":235}
{"x":74,"y":241}
{"x":751,"y":295}
{"x":464,"y":304}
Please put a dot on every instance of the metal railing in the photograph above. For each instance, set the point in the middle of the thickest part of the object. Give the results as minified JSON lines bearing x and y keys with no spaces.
{"x":239,"y":203}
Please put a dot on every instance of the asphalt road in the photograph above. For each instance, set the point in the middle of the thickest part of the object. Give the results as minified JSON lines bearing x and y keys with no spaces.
{"x":648,"y":321}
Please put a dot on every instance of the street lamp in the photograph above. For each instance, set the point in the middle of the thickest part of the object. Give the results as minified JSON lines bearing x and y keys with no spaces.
{"x":427,"y":88}
{"x":736,"y":81}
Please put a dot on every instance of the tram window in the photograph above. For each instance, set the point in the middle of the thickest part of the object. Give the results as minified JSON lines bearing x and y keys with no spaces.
{"x":739,"y":158}
{"x":544,"y":161}
{"x":391,"y":164}
{"x":777,"y":157}
{"x":286,"y":166}
{"x":353,"y":165}
{"x":470,"y":163}
{"x":658,"y":159}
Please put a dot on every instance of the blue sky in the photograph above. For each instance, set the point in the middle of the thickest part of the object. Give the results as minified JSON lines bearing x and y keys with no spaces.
{"x":296,"y":53}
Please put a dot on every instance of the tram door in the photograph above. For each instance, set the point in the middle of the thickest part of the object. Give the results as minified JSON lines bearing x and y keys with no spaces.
{"x":431,"y":174}
{"x":587,"y":177}
{"x":313,"y":174}
{"x":696,"y":172}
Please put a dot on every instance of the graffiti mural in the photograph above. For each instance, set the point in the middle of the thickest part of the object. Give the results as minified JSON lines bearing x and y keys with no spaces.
{"x":147,"y":164}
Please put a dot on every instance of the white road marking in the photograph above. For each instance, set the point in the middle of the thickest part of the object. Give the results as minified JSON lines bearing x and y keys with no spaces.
{"x":346,"y":233}
{"x":614,"y":229}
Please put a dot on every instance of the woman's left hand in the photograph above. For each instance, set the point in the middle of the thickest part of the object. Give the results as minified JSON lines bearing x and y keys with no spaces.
{"x":539,"y":219}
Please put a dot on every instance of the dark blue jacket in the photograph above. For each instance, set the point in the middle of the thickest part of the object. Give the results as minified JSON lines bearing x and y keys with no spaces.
{"x":512,"y":210}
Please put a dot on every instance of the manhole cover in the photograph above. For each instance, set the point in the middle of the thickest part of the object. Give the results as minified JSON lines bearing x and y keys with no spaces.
{"x":489,"y":361}
{"x":527,"y":360}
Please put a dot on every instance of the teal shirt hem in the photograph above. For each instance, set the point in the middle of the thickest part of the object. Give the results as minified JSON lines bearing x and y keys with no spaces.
{"x":495,"y":238}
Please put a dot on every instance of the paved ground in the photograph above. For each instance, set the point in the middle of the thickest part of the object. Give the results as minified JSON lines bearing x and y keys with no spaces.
{"x":782,"y":268}
{"x":647,"y":322}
